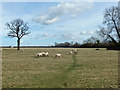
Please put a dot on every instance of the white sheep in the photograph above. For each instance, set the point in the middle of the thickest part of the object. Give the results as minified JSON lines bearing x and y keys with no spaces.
{"x":0,"y":49}
{"x":57,"y":55}
{"x":40,"y":54}
{"x":22,"y":50}
{"x":74,"y":50}
{"x":70,"y":52}
{"x":45,"y":54}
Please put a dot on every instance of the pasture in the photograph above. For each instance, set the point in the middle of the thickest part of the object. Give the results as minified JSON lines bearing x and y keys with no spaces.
{"x":89,"y":68}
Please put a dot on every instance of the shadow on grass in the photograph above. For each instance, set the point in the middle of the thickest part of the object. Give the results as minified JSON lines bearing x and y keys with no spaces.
{"x":35,"y":56}
{"x":40,"y":57}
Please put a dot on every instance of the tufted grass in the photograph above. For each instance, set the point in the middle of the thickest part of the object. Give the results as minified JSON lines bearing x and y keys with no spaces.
{"x":86,"y":69}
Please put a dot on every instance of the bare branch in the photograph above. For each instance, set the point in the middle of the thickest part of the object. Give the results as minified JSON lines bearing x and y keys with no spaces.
{"x":18,"y":28}
{"x":110,"y":26}
{"x":11,"y":35}
{"x":24,"y":34}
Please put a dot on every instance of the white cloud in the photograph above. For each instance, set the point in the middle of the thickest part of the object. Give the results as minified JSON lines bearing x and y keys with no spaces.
{"x":45,"y":35}
{"x":87,"y":32}
{"x":39,"y":36}
{"x":70,"y":37}
{"x":45,"y":20}
{"x":55,"y":13}
{"x":60,"y":37}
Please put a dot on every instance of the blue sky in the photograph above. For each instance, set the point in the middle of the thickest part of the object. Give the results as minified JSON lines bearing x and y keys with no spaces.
{"x":52,"y":22}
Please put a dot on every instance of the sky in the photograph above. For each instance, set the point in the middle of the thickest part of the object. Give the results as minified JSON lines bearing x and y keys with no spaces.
{"x":51,"y":22}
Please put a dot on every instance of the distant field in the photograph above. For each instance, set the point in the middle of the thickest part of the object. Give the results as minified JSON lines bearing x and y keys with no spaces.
{"x":86,"y":69}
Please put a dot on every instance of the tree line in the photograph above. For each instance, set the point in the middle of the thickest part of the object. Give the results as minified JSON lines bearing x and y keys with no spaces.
{"x":91,"y":42}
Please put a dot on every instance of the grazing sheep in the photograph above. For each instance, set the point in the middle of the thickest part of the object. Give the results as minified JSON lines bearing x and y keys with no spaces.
{"x":74,"y":50}
{"x":97,"y":49}
{"x":22,"y":50}
{"x":57,"y":55}
{"x":40,"y":54}
{"x":70,"y":52}
{"x":45,"y":54}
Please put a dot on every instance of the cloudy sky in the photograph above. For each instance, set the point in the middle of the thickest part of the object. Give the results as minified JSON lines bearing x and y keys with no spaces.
{"x":52,"y":22}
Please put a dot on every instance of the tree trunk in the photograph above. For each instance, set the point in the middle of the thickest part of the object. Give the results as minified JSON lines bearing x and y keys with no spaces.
{"x":18,"y":44}
{"x":115,"y":43}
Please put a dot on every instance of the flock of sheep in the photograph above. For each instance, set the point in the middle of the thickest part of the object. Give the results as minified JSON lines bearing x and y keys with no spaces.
{"x":44,"y":54}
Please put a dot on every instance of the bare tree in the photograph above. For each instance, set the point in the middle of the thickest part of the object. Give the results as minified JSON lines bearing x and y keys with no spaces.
{"x":110,"y":29}
{"x":92,"y":40}
{"x":17,"y":29}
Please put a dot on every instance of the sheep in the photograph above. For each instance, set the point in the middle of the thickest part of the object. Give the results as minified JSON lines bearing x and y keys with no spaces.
{"x":45,"y":54}
{"x":40,"y":54}
{"x":0,"y":49}
{"x":57,"y":55}
{"x":97,"y":49}
{"x":70,"y":52}
{"x":22,"y":50}
{"x":74,"y":50}
{"x":12,"y":46}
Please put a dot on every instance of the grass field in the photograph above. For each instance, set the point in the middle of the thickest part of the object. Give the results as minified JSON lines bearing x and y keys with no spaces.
{"x":86,"y":69}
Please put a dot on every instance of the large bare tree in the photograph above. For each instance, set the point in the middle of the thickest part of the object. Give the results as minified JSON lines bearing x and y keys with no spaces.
{"x":18,"y":28}
{"x":110,"y":29}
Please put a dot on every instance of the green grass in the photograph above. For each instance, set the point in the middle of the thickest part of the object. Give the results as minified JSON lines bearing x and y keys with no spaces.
{"x":86,"y":69}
